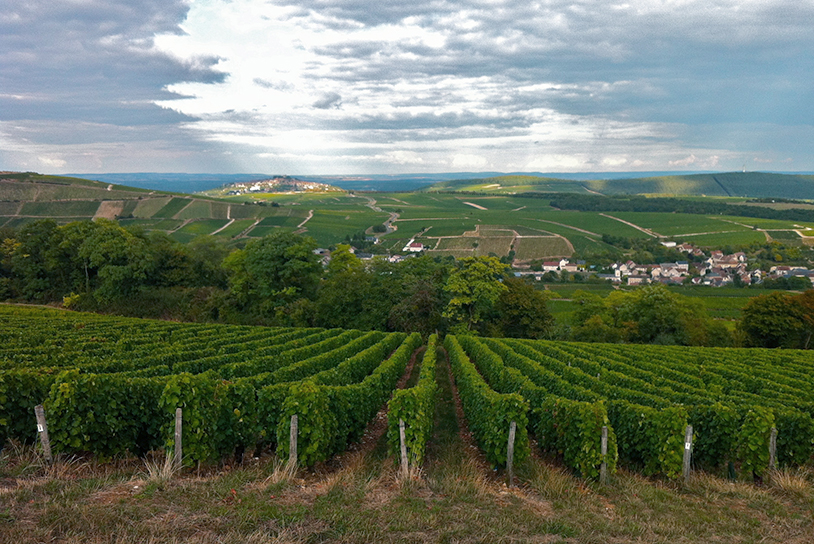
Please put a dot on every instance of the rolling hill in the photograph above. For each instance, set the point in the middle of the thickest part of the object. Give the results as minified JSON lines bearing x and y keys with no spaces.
{"x":730,"y":184}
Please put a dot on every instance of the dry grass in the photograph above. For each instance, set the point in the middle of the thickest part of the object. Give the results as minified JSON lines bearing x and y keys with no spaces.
{"x":161,"y":470}
{"x":794,"y":483}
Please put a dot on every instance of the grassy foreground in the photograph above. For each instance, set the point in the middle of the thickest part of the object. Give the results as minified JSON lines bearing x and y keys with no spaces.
{"x":358,"y":498}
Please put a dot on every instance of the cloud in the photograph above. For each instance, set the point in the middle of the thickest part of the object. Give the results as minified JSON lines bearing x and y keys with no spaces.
{"x":469,"y":161}
{"x":434,"y":84}
{"x":328,"y":101}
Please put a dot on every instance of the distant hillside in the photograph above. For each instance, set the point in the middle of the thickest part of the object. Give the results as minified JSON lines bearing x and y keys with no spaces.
{"x":241,"y":211}
{"x":730,"y":184}
{"x":510,"y":184}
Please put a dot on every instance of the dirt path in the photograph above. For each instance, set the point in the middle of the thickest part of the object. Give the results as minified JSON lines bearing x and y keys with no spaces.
{"x":389,"y":223}
{"x":307,"y":219}
{"x":248,"y":229}
{"x":637,"y":227}
{"x":223,"y":227}
{"x":569,"y":227}
{"x":474,"y":205}
{"x":452,"y":441}
{"x":375,"y":430}
{"x":184,"y":208}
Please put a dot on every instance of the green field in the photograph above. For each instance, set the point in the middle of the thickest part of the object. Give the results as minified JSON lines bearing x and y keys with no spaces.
{"x":675,"y":224}
{"x":195,"y":210}
{"x":167,"y":224}
{"x":527,"y":249}
{"x":149,"y":206}
{"x":236,"y":228}
{"x":76,"y":208}
{"x":171,"y":208}
{"x":725,"y":238}
{"x":203,"y":226}
{"x":331,"y":226}
{"x":259,"y":232}
{"x":9,"y":208}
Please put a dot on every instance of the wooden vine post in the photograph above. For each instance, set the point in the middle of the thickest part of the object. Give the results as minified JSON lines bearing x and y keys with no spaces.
{"x":510,"y":453}
{"x":179,"y":450}
{"x":687,"y":453}
{"x":42,"y":429}
{"x":603,"y":468}
{"x":773,"y":449}
{"x":403,"y":449}
{"x":292,"y":443}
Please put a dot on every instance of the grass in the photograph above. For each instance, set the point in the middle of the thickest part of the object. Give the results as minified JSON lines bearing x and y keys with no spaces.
{"x":329,"y":226}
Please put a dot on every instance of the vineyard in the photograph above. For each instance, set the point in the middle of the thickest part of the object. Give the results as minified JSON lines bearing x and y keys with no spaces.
{"x":646,"y":395}
{"x":112,"y":385}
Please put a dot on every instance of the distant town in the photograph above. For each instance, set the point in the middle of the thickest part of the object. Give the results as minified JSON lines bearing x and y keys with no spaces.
{"x":715,"y":270}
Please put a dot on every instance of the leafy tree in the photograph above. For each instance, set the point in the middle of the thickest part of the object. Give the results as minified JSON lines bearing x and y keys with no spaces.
{"x":342,"y":260}
{"x":32,"y":261}
{"x":805,"y":306}
{"x":522,"y":311}
{"x":274,"y":270}
{"x":772,"y":320}
{"x":8,"y":246}
{"x":208,"y":253}
{"x":595,"y":329}
{"x":474,"y":287}
{"x":121,"y":258}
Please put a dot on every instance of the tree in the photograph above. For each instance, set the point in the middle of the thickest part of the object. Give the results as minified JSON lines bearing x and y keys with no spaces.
{"x":121,"y":258}
{"x":342,"y":260}
{"x":772,"y":320}
{"x":273,"y":271}
{"x":522,"y":311}
{"x":473,"y":287}
{"x":805,"y":306}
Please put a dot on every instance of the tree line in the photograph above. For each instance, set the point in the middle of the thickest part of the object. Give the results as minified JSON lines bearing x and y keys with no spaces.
{"x":278,"y":280}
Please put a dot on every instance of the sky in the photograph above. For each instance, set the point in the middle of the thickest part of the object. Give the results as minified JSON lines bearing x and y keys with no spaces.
{"x":390,"y":86}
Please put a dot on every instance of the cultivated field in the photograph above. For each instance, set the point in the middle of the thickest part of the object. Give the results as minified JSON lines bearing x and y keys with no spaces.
{"x":111,"y":386}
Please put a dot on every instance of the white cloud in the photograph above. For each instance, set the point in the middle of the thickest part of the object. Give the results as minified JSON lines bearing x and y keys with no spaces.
{"x":469,"y":161}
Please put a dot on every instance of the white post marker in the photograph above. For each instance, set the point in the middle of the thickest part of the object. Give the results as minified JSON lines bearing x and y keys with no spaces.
{"x":292,"y":443}
{"x":687,"y":453}
{"x":179,"y":451}
{"x":42,"y":429}
{"x":603,"y":450}
{"x":403,"y":449}
{"x":510,"y":453}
